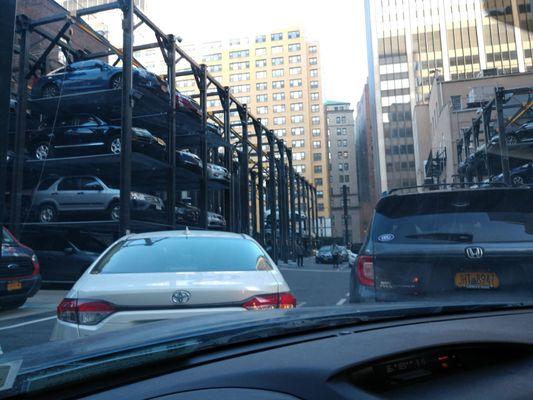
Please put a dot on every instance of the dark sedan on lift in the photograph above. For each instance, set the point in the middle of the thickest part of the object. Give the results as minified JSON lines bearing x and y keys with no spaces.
{"x":91,"y":75}
{"x":87,"y":134}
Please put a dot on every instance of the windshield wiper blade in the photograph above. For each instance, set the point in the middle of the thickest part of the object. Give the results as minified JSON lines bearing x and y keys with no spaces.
{"x":450,"y":236}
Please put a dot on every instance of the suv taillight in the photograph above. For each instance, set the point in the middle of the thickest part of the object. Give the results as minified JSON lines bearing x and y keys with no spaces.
{"x":36,"y":266}
{"x":83,"y":311}
{"x":365,"y":270}
{"x":271,"y":301}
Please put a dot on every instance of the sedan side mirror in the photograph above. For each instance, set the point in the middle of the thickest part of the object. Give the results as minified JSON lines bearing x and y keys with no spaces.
{"x":69,"y":250}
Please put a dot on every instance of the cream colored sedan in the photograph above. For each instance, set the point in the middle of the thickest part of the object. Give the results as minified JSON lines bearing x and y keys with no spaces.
{"x":166,"y":275}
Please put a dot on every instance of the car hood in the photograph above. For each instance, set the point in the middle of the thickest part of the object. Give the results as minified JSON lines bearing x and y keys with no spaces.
{"x":80,"y":359}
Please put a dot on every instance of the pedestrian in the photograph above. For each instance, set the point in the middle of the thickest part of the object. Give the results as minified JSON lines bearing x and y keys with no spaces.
{"x":335,"y":252}
{"x":300,"y":254}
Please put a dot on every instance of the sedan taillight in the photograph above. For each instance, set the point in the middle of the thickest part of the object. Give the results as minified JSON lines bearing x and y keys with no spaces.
{"x":84,"y":311}
{"x":365,"y":270}
{"x":271,"y":301}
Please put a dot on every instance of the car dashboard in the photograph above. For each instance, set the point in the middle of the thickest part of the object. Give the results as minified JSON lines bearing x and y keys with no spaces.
{"x":474,"y":355}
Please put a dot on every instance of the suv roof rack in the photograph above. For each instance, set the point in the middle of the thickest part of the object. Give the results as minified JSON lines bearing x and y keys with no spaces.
{"x":440,"y":186}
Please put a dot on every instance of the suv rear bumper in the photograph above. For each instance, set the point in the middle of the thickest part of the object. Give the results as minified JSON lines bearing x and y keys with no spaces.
{"x":30,"y":286}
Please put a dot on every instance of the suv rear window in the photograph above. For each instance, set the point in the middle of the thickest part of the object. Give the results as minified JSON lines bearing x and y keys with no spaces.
{"x":467,"y":216}
{"x":181,"y":254}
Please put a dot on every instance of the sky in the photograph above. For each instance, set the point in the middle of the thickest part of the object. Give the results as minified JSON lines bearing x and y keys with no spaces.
{"x":338,"y":25}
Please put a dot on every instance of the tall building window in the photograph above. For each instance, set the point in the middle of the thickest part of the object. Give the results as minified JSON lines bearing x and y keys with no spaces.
{"x":239,"y":65}
{"x":279,"y":108}
{"x":280,"y":132}
{"x":314,"y":84}
{"x":262,"y":110}
{"x":456,"y":102}
{"x":313,"y":73}
{"x":297,"y":106}
{"x":295,"y":83}
{"x":317,"y":156}
{"x":315,"y":120}
{"x":312,"y":49}
{"x":276,"y":36}
{"x":239,"y":77}
{"x":319,"y":194}
{"x":279,"y":121}
{"x":341,"y":167}
{"x":215,"y":68}
{"x":316,"y":132}
{"x":276,"y":73}
{"x":345,"y":154}
{"x":321,"y":207}
{"x":313,"y":61}
{"x":318,"y":181}
{"x":239,"y":53}
{"x":295,"y":70}
{"x":261,"y":63}
{"x":300,"y":169}
{"x":212,"y":57}
{"x":276,"y":49}
{"x":278,"y":84}
{"x":278,"y":96}
{"x":344,"y":131}
{"x":315,"y":108}
{"x":297,"y":119}
{"x":260,"y":39}
{"x":318,"y":169}
{"x":346,"y":167}
{"x":343,"y":119}
{"x":261,"y":74}
{"x":261,"y":98}
{"x":298,"y":156}
{"x":297,"y":131}
{"x":261,"y":86}
{"x":260,"y":51}
{"x":294,"y":47}
{"x":297,"y":94}
{"x":240,"y":88}
{"x":243,"y":99}
{"x":298,"y":143}
{"x":338,"y":120}
{"x":317,"y":144}
{"x":294,"y":34}
{"x":295,"y":59}
{"x":277,"y":61}
{"x":314,"y":96}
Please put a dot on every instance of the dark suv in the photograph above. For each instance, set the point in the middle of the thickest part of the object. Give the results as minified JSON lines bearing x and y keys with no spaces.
{"x":455,"y":245}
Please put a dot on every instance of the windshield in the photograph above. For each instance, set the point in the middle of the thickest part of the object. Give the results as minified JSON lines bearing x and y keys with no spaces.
{"x":296,"y":157}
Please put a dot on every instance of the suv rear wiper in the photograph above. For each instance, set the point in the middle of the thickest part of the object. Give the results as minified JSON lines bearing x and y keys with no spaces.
{"x":450,"y":236}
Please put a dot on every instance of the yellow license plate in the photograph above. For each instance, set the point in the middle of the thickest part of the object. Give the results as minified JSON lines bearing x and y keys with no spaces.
{"x":477,"y":280}
{"x":15,"y":285}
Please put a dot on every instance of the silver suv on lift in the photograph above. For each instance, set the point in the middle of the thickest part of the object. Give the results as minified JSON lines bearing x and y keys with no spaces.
{"x":84,"y":194}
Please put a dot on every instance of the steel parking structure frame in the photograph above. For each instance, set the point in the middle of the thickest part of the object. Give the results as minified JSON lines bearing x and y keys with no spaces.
{"x":252,"y":183}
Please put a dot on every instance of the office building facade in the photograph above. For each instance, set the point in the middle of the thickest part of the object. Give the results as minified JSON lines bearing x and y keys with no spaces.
{"x":412,"y":41}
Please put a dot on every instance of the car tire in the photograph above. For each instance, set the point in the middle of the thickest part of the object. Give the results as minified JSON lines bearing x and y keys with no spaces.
{"x":114,"y":211}
{"x":12,"y":304}
{"x":42,"y":151}
{"x":50,"y":90}
{"x":517,"y":180}
{"x":47,"y":213}
{"x":116,"y":81}
{"x":114,"y":145}
{"x":511,"y":139}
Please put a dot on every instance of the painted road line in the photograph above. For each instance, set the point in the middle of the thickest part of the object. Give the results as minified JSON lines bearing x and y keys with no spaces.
{"x":303,"y":303}
{"x":341,"y":302}
{"x":35,"y":321}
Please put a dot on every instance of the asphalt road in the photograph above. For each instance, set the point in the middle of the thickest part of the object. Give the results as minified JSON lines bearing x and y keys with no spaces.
{"x":32,"y":324}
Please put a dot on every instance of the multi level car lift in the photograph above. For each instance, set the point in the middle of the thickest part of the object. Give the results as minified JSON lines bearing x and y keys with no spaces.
{"x":252,"y":180}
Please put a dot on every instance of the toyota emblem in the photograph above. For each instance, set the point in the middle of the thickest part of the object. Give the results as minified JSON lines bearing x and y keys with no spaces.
{"x":181,"y":297}
{"x":474,"y":253}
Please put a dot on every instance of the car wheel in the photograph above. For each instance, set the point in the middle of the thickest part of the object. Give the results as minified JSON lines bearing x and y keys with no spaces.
{"x":114,"y":211}
{"x":116,"y":81}
{"x":517,"y":180}
{"x":115,"y":145}
{"x":50,"y":90}
{"x":42,"y":151}
{"x":12,"y":304}
{"x":511,"y":139}
{"x":47,"y":213}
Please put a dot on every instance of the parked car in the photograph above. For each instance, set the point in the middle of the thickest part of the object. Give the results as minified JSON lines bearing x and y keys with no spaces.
{"x":187,"y":104}
{"x":352,"y":257}
{"x":522,"y":175}
{"x":324,"y":255}
{"x":449,"y":245}
{"x":522,"y":134}
{"x":84,"y":194}
{"x":215,"y":220}
{"x":188,"y":160}
{"x":19,"y":272}
{"x":86,"y":134}
{"x":87,"y":76}
{"x":63,"y":256}
{"x":217,"y":173}
{"x":186,"y":214}
{"x":343,"y":251}
{"x":170,"y":275}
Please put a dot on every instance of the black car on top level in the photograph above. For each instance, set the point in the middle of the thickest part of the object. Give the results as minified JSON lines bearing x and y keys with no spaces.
{"x":87,"y":134}
{"x":455,"y":245}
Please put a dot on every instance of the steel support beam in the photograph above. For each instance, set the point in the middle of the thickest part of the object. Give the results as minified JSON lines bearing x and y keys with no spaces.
{"x":283,"y":203}
{"x":293,"y":205}
{"x":272,"y":194}
{"x":316,"y":213}
{"x":245,"y":195}
{"x":228,"y":161}
{"x":253,"y":184}
{"x":51,"y":45}
{"x":23,"y":24}
{"x":504,"y":153}
{"x":300,"y":217}
{"x":309,"y":215}
{"x":260,"y":181}
{"x":7,"y":34}
{"x":201,"y":77}
{"x":127,"y":112}
{"x":171,"y":77}
{"x":79,"y":13}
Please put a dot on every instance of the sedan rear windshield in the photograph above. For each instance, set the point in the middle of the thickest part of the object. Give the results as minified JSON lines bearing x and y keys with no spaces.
{"x":181,"y":254}
{"x":485,"y":216}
